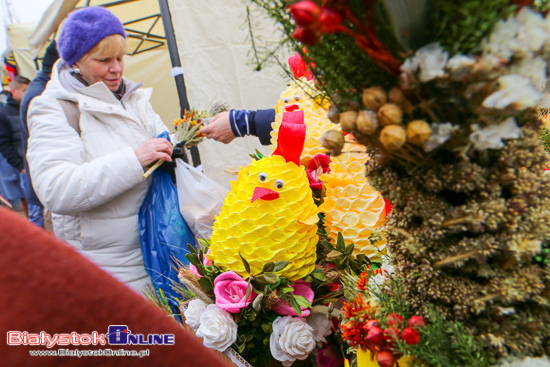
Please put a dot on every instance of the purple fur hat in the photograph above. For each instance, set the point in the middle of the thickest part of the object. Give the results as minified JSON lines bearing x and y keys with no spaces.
{"x":84,"y":29}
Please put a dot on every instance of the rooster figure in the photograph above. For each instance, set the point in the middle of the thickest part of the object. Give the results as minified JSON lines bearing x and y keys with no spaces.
{"x":269,"y":215}
{"x":302,"y":95}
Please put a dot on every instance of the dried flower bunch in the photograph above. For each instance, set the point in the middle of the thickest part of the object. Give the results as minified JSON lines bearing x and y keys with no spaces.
{"x":453,"y":136}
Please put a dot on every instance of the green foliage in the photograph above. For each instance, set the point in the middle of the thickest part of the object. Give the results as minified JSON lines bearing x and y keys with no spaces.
{"x":461,"y":25}
{"x":443,"y":343}
{"x":545,"y":136}
{"x":253,"y":337}
{"x":341,"y":67}
{"x":542,"y":5}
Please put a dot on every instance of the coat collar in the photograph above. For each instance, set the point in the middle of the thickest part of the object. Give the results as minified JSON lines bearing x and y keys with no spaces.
{"x":62,"y":79}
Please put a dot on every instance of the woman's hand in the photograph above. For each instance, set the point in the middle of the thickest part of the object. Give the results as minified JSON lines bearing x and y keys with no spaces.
{"x":153,"y":150}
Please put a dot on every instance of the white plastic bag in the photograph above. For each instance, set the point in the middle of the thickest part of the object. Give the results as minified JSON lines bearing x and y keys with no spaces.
{"x":200,"y":198}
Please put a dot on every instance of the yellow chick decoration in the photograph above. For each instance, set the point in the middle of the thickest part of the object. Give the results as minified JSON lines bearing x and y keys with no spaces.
{"x":352,"y":206}
{"x":270,"y":215}
{"x":301,"y":95}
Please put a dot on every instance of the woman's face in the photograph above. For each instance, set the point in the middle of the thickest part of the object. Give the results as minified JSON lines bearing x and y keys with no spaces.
{"x":102,"y":68}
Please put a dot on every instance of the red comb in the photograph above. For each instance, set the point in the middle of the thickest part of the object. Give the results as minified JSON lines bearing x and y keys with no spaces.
{"x":299,"y":67}
{"x":291,"y":137}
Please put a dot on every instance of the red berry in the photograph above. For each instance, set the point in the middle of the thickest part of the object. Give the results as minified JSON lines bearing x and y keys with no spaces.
{"x":395,"y":319}
{"x":417,"y":322}
{"x":372,"y":323}
{"x":410,"y":336}
{"x":307,"y":36}
{"x":375,"y":335}
{"x":330,"y":21}
{"x":305,"y":13}
{"x":385,"y":359}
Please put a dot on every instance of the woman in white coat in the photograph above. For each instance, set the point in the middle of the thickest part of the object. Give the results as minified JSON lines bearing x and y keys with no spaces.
{"x":92,"y":135}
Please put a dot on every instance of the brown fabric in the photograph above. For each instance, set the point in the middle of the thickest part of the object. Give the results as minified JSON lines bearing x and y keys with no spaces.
{"x":47,"y":286}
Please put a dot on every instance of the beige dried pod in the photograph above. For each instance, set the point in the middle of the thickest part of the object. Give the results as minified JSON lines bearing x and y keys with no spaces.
{"x":348,"y":121}
{"x":418,"y":132}
{"x":397,"y":96}
{"x":367,"y":122}
{"x":393,"y":137}
{"x":333,"y":114}
{"x":390,"y":114}
{"x":374,"y":98}
{"x":333,"y":141}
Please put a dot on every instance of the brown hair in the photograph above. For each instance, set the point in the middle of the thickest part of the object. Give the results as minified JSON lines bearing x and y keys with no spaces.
{"x":18,"y":81}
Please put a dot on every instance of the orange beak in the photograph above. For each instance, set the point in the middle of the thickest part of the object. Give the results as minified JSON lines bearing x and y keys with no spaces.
{"x":264,"y":194}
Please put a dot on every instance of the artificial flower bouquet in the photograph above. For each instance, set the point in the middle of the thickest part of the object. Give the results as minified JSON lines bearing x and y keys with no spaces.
{"x":262,"y":318}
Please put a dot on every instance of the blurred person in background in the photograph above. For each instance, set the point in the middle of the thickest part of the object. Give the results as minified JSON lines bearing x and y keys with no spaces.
{"x":11,"y":149}
{"x":35,"y":88}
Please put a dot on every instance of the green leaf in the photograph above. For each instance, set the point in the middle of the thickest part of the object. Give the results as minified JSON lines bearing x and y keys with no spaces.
{"x":268,"y":267}
{"x":245,"y":263}
{"x":349,"y":249}
{"x":193,"y":259}
{"x":302,"y":301}
{"x":266,"y":328}
{"x":334,"y":254}
{"x":286,"y":289}
{"x":257,"y":303}
{"x":280,"y":265}
{"x":295,"y":306}
{"x":206,"y":284}
{"x":327,"y":245}
{"x":271,"y":278}
{"x":340,"y":243}
{"x":319,"y":276}
{"x":205,"y":242}
{"x":191,"y":249}
{"x":248,"y":290}
{"x":259,"y":282}
{"x":241,"y":347}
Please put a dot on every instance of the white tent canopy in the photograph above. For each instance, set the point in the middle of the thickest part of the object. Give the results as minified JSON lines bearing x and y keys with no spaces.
{"x":213,"y":46}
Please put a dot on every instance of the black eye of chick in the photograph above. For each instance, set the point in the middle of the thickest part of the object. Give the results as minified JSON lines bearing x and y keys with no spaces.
{"x":279,"y":184}
{"x":262,"y":177}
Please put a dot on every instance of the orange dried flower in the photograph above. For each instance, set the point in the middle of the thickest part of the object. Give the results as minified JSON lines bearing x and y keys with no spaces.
{"x":362,"y":281}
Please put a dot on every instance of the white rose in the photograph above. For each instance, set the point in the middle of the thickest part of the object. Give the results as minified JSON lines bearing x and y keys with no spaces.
{"x":217,"y":328}
{"x":321,"y":326}
{"x":193,"y":313}
{"x":292,"y":339}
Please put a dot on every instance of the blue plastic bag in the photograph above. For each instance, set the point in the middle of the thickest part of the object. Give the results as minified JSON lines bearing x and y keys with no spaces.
{"x":164,"y":234}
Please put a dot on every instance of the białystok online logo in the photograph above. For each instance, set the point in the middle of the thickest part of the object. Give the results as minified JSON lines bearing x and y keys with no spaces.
{"x":116,"y":335}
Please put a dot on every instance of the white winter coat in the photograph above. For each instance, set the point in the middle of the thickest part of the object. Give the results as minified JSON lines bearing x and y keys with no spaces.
{"x":93,"y":183}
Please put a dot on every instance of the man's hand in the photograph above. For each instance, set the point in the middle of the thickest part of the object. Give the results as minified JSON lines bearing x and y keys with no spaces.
{"x":219,"y":128}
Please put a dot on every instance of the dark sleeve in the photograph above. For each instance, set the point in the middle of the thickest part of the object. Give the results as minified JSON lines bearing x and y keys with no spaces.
{"x":257,"y":123}
{"x":7,"y":147}
{"x":262,"y":121}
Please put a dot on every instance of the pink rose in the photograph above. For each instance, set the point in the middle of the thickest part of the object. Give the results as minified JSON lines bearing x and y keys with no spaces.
{"x":329,"y":356}
{"x":230,"y":292}
{"x":301,"y":288}
{"x":205,"y":262}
